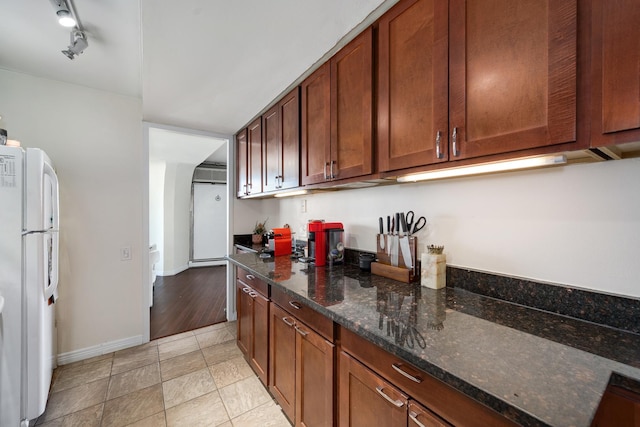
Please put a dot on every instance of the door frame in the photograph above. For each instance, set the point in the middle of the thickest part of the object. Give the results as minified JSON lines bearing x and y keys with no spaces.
{"x":231,"y":170}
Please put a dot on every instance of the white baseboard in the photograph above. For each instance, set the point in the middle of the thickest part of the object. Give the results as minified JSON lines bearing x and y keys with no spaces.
{"x":99,"y":350}
{"x":172,"y":272}
{"x":207,"y":263}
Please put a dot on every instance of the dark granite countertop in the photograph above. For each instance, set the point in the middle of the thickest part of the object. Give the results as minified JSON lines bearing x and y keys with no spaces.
{"x":534,"y":367}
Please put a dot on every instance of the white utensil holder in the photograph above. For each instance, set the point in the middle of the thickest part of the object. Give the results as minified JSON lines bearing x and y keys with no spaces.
{"x":433,"y":271}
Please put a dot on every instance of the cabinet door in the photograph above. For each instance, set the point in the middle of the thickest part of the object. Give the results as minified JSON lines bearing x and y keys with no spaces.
{"x":254,"y":141}
{"x":316,"y":126}
{"x":366,"y":399}
{"x":314,"y":378}
{"x":412,"y":84}
{"x":290,"y":137}
{"x":244,"y":308}
{"x":419,"y":416}
{"x":282,"y":360}
{"x":619,"y":407}
{"x":241,"y":163}
{"x":272,"y":148}
{"x":260,"y":337}
{"x":351,"y":108}
{"x":512,"y":75}
{"x":615,"y":70}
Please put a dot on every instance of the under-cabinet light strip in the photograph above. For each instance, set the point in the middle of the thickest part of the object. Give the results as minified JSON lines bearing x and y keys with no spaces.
{"x":524,"y":163}
{"x":291,"y":193}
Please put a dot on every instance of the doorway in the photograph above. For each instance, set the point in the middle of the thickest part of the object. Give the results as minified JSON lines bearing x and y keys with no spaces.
{"x":173,"y":155}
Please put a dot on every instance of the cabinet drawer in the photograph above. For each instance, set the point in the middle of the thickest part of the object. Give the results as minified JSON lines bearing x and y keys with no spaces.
{"x":316,"y":321}
{"x":249,"y":279}
{"x":446,"y":402}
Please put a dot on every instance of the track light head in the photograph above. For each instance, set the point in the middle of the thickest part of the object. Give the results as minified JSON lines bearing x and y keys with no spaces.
{"x":65,"y":17}
{"x":77,"y":45}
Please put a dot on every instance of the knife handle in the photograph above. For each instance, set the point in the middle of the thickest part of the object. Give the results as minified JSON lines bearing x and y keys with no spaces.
{"x":403,"y":223}
{"x":397,"y":222}
{"x":388,"y":224}
{"x":381,"y":225}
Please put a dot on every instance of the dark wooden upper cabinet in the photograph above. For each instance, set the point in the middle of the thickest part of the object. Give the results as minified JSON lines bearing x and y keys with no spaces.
{"x":512,"y":75}
{"x":316,"y":126}
{"x":352,"y":108}
{"x":615,"y":71}
{"x":337,"y":115}
{"x":412,"y":84}
{"x":272,"y":147}
{"x":241,"y":163}
{"x":289,"y":155}
{"x":254,"y":142}
{"x":281,"y":144}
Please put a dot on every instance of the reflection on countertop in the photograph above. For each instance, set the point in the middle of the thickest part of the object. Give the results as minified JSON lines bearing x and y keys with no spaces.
{"x":534,"y":367}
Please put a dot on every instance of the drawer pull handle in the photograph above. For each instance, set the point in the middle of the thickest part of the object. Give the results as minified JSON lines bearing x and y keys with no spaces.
{"x":301,"y":332}
{"x":253,"y":294}
{"x":396,"y":403}
{"x":397,"y":367}
{"x":414,"y":418}
{"x":287,"y":322}
{"x":246,"y":290}
{"x":295,"y":305}
{"x":250,"y":276}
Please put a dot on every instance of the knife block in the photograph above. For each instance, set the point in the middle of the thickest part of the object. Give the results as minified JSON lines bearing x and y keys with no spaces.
{"x":400,"y":272}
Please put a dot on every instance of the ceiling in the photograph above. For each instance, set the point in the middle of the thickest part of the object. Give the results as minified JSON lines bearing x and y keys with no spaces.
{"x":208,"y":65}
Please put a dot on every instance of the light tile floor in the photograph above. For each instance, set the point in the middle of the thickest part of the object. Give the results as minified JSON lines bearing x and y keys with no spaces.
{"x":196,"y":378}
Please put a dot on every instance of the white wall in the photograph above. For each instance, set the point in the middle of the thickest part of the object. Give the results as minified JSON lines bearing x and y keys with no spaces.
{"x":177,"y":218}
{"x":577,"y":225}
{"x":247,"y":211}
{"x":156,"y":207}
{"x":95,"y":141}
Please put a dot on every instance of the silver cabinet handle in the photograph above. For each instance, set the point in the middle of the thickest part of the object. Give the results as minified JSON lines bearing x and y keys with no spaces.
{"x":300,"y":331}
{"x":438,"y":140}
{"x":454,"y":140}
{"x":396,"y":403}
{"x":295,"y":305}
{"x":286,"y":321}
{"x":414,"y":418}
{"x":246,"y":290}
{"x":253,"y":294}
{"x":250,"y":276}
{"x":332,"y":163}
{"x":325,"y":171}
{"x":397,"y":367}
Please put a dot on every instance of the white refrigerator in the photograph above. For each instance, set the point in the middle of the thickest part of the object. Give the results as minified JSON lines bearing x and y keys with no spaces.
{"x":28,"y":282}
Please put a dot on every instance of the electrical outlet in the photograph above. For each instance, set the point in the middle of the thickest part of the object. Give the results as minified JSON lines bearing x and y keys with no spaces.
{"x":303,"y":206}
{"x":125,"y":253}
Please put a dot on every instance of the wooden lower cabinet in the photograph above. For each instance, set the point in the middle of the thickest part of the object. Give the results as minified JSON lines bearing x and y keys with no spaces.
{"x":253,"y":328}
{"x":419,"y":416}
{"x":301,"y":370}
{"x":366,"y":399}
{"x":619,"y":407}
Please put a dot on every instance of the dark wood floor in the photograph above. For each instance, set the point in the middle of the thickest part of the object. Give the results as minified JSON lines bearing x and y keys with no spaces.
{"x":189,"y":300}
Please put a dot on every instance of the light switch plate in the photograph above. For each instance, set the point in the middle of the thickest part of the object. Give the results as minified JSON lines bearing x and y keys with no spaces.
{"x":125,"y":253}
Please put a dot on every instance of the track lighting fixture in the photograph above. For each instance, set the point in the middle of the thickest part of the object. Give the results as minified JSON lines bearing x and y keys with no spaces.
{"x":65,"y":17}
{"x":77,"y":44}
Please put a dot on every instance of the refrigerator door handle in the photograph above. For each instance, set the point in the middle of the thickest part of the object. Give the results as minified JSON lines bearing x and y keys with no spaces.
{"x":51,"y":282}
{"x":1,"y":304}
{"x":55,"y":202}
